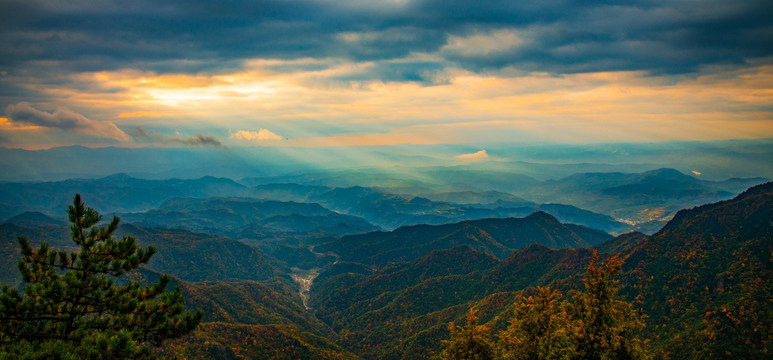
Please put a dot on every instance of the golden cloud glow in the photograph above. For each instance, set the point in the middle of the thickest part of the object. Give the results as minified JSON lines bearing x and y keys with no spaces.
{"x":6,"y":124}
{"x":140,"y":114}
{"x":468,"y":107}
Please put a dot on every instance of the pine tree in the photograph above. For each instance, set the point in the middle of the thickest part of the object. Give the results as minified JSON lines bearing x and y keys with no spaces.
{"x":540,"y":329}
{"x":468,"y":343}
{"x":71,"y":307}
{"x":607,"y":326}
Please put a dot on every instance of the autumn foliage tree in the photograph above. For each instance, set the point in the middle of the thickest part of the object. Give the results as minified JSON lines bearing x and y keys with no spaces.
{"x":470,"y":342}
{"x":608,"y":327}
{"x":72,"y":308}
{"x":595,"y":325}
{"x":541,"y":328}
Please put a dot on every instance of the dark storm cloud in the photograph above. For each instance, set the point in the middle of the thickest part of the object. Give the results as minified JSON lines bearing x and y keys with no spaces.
{"x":413,"y":71}
{"x":558,"y":36}
{"x":63,"y":119}
{"x":140,"y":133}
{"x":199,"y":140}
{"x":667,"y":37}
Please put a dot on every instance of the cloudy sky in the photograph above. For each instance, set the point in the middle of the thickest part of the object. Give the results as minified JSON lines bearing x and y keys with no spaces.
{"x":353,"y":72}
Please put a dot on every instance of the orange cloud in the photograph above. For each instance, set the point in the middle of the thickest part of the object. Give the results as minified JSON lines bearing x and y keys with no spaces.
{"x":140,"y":114}
{"x":7,"y":124}
{"x":468,"y":107}
{"x":256,"y":136}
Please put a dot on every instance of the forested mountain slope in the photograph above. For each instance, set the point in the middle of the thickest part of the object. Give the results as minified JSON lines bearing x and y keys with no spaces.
{"x":704,"y":282}
{"x":706,"y":279}
{"x":190,"y":256}
{"x":253,"y":320}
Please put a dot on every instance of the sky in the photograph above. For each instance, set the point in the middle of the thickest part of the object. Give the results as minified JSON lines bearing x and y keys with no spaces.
{"x":322,"y":73}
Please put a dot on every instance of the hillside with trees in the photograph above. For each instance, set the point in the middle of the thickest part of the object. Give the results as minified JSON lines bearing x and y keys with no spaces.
{"x":699,"y":288}
{"x":703,"y":282}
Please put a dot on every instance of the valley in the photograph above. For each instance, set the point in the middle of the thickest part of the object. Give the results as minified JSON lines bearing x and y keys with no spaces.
{"x":304,"y":278}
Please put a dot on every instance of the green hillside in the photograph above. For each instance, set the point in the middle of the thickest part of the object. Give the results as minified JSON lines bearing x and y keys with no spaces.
{"x":706,"y":279}
{"x":187,"y":255}
{"x":704,"y":283}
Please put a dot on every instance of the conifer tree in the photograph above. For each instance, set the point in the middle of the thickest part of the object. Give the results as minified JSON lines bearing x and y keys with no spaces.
{"x":540,"y":329}
{"x":607,"y":326}
{"x":72,"y":308}
{"x":470,"y":342}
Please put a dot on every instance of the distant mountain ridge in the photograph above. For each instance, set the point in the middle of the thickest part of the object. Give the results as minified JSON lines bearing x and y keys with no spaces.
{"x":258,"y":222}
{"x":391,"y":211}
{"x":386,"y":166}
{"x":116,"y":193}
{"x":651,"y":196}
{"x":613,"y":202}
{"x":495,"y":236}
{"x":34,"y":218}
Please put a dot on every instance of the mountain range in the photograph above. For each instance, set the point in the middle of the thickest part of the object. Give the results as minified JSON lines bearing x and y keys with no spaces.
{"x":383,"y":166}
{"x":703,"y":281}
{"x":240,"y":254}
{"x":498,"y":237}
{"x":612,"y":202}
{"x":252,"y":221}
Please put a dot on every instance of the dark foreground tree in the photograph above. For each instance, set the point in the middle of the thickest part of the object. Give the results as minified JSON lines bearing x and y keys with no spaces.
{"x":470,"y":342}
{"x":71,"y":307}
